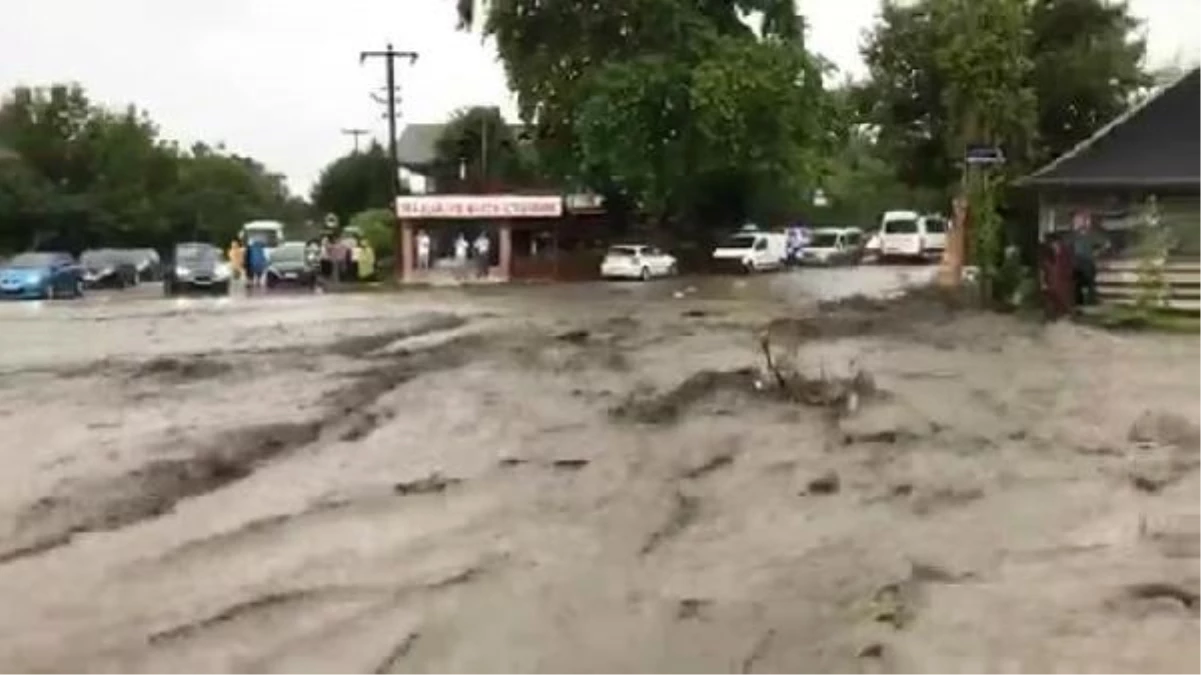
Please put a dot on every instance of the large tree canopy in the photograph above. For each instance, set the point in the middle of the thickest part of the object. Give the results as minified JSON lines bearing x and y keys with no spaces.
{"x":1036,"y":76}
{"x":355,"y":182}
{"x":75,"y":174}
{"x":679,"y":104}
{"x":479,"y":150}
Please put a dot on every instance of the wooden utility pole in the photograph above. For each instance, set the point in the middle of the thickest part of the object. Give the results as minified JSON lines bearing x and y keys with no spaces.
{"x":390,"y":56}
{"x":355,"y":133}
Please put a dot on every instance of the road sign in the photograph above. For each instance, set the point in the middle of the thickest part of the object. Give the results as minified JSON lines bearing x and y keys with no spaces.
{"x":331,"y":220}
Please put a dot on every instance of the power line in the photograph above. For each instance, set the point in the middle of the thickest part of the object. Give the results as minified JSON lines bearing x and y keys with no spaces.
{"x":355,"y":133}
{"x":390,"y":56}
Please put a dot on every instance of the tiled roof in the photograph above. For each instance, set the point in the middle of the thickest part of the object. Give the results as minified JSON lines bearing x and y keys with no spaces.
{"x":1154,"y":144}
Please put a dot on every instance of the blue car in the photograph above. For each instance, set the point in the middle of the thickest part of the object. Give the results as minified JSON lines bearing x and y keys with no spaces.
{"x":41,"y":275}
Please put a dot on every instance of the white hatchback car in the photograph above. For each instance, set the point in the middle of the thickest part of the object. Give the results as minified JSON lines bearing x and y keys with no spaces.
{"x":637,"y":261}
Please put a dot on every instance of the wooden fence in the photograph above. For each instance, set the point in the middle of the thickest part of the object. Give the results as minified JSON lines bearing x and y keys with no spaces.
{"x":1118,"y":283}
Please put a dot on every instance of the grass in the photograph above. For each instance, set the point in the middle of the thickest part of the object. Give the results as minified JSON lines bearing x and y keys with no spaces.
{"x":1118,"y":317}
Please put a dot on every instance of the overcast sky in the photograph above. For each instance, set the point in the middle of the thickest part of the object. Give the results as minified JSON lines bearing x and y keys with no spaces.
{"x":278,"y":79}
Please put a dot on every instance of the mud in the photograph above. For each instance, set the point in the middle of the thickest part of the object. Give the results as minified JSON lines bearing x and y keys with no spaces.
{"x":571,"y":479}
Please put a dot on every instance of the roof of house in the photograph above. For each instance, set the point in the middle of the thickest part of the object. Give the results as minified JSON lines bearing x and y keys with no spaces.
{"x":1155,"y":144}
{"x":416,"y":145}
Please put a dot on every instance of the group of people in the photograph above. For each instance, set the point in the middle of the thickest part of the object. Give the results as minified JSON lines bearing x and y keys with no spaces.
{"x":249,"y":261}
{"x":478,"y":251}
{"x":1069,"y":267}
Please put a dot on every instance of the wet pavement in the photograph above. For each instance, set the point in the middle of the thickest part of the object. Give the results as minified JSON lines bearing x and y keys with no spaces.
{"x":593,"y":477}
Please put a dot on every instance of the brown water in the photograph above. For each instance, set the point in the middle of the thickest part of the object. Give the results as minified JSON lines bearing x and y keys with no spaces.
{"x":593,"y":477}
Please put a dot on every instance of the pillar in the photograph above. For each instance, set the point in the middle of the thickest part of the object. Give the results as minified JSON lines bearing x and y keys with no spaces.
{"x":404,"y":255}
{"x":506,"y":250}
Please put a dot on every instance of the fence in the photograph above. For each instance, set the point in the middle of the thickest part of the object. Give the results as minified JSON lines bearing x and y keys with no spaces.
{"x":1118,"y":282}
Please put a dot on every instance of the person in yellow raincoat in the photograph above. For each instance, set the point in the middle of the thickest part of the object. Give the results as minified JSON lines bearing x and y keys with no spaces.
{"x":237,"y":257}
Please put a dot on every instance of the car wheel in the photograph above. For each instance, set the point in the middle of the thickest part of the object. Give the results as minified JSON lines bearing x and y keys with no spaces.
{"x":748,"y":266}
{"x":223,"y":289}
{"x":645,"y":274}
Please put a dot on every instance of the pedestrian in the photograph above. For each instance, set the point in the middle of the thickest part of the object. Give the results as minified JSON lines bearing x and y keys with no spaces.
{"x":256,"y":264}
{"x":482,"y":259}
{"x":1085,"y":245}
{"x":423,"y":250}
{"x":461,"y":251}
{"x":237,"y":258}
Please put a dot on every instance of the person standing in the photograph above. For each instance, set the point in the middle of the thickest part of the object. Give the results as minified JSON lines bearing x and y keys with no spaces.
{"x":1085,"y":243}
{"x":461,"y":247}
{"x":482,"y":259}
{"x":256,"y":263}
{"x":423,"y":250}
{"x":237,"y":258}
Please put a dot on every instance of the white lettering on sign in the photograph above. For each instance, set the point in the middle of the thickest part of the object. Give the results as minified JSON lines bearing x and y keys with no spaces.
{"x":478,"y":206}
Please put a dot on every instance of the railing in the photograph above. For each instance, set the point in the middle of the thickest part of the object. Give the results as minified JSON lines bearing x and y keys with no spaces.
{"x":1119,"y":281}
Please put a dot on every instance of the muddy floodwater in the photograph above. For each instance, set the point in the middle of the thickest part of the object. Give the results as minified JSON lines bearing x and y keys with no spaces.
{"x":686,"y":476}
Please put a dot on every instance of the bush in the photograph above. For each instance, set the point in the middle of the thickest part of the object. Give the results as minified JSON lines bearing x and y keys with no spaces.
{"x":378,"y":228}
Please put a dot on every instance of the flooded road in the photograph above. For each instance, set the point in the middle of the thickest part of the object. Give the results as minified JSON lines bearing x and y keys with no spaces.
{"x":593,"y":477}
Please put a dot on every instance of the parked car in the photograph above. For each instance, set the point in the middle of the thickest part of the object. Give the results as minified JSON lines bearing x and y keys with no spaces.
{"x":108,"y":268}
{"x":197,"y":267}
{"x":147,"y":263}
{"x":834,"y":246}
{"x":909,"y":235}
{"x":636,"y":261}
{"x":751,"y":252}
{"x":46,"y":275}
{"x":290,"y":266}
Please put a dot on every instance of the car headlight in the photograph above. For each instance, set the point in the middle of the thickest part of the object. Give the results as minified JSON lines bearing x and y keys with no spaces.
{"x":221,"y":271}
{"x":183,"y":272}
{"x":106,"y":271}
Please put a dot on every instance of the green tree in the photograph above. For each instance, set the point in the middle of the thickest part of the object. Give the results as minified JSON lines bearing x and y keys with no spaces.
{"x":478,"y":149}
{"x":355,"y":182}
{"x":80,"y":175}
{"x":684,"y":108}
{"x":378,"y":227}
{"x":1037,"y":76}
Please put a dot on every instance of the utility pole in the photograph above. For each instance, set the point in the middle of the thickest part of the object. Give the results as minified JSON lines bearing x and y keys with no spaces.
{"x":355,"y":133}
{"x":390,"y":56}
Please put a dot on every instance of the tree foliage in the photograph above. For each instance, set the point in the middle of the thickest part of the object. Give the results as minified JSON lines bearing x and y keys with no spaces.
{"x":478,"y":150}
{"x":76,"y":175}
{"x":355,"y":182}
{"x":1036,"y":76}
{"x":683,"y":106}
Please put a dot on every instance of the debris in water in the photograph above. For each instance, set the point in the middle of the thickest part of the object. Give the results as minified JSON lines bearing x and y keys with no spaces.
{"x":825,"y":484}
{"x":574,"y":336}
{"x":431,"y":484}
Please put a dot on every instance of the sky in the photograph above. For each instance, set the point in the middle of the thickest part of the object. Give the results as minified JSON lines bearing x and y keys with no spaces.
{"x":279,"y":79}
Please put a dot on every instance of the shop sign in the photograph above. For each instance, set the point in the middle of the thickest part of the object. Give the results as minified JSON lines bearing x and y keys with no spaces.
{"x":479,"y":206}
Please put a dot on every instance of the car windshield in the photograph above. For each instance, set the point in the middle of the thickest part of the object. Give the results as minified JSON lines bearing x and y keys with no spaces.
{"x":289,"y":253}
{"x":622,"y":252}
{"x":905,"y":226}
{"x":824,"y":240}
{"x":268,"y":238}
{"x":739,"y":241}
{"x":936,"y":225}
{"x":106,"y":258}
{"x":33,"y":260}
{"x":196,"y":253}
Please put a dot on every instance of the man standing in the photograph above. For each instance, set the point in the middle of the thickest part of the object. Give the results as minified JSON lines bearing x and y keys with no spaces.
{"x":256,"y":263}
{"x":1085,"y":243}
{"x":423,"y":250}
{"x":482,"y":259}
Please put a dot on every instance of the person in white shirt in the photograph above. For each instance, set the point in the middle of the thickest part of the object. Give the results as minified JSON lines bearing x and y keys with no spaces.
{"x":460,"y":255}
{"x":482,"y":246}
{"x":423,"y":250}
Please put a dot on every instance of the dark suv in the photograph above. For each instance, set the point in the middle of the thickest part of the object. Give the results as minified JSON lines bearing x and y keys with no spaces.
{"x":197,"y":267}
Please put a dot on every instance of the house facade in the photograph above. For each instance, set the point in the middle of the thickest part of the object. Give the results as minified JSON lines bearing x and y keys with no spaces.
{"x":1147,"y":156}
{"x":1141,"y":166}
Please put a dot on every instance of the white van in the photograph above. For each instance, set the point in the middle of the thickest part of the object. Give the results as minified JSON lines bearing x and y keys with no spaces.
{"x":269,"y":232}
{"x":752,"y":251}
{"x":908,"y":234}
